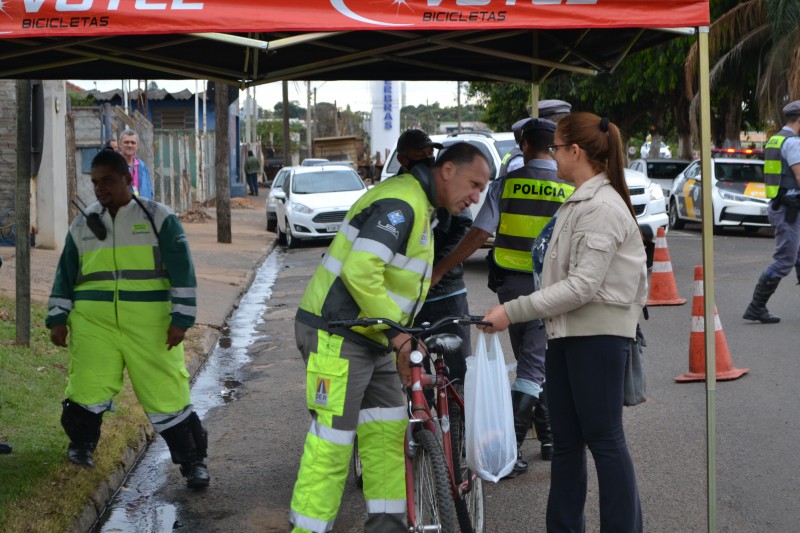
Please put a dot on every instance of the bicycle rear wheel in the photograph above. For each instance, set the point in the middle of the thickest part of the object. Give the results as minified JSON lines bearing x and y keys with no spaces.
{"x":358,"y":471}
{"x":433,"y":501}
{"x":469,"y":507}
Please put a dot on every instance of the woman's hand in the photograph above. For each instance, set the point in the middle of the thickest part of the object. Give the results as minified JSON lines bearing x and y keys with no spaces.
{"x":499,"y":319}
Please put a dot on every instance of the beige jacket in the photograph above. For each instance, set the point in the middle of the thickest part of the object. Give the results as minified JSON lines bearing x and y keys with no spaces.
{"x":594,"y":280}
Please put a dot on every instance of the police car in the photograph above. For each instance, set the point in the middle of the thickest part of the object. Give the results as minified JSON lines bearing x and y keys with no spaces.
{"x":738,"y":195}
{"x":647,"y":200}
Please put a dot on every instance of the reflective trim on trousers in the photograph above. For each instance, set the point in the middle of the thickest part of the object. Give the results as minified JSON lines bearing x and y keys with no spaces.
{"x":164,"y":421}
{"x":307,"y":523}
{"x":382,"y":414}
{"x":336,"y":436}
{"x":386,"y":506}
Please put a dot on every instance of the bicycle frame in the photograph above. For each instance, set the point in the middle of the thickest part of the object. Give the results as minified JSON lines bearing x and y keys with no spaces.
{"x":439,"y":425}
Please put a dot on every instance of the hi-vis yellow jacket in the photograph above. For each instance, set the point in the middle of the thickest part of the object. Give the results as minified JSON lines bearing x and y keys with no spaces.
{"x":379,"y":265}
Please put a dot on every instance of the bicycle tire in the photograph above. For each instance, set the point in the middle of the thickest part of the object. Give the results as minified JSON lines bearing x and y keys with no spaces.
{"x":469,"y":508}
{"x":433,"y":500}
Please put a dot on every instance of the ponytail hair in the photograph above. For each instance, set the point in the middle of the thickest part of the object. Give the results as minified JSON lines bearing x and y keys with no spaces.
{"x":602,"y":142}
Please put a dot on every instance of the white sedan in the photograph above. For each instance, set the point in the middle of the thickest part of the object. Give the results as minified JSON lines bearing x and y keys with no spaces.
{"x":738,"y":195}
{"x":313,"y":202}
{"x":647,"y":200}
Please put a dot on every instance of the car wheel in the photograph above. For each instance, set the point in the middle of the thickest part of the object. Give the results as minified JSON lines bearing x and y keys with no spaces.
{"x":674,"y":221}
{"x":271,"y":225}
{"x":717,"y":229}
{"x":291,"y":240}
{"x":281,"y":235}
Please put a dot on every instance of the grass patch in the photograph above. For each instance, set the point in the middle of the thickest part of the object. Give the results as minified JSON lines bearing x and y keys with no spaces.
{"x":40,"y":490}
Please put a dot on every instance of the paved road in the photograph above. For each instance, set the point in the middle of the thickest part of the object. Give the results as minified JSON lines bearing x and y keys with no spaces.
{"x":255,"y":441}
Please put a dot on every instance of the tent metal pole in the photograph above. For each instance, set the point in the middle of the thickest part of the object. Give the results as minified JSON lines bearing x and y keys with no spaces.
{"x":708,"y":277}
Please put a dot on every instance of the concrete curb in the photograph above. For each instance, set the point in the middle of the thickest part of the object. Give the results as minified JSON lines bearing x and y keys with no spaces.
{"x":98,"y":502}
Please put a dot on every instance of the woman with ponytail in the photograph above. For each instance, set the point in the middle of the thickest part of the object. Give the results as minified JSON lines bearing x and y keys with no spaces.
{"x":593,"y":288}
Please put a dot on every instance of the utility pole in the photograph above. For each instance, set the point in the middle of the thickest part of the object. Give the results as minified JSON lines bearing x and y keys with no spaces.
{"x":458,"y":105}
{"x":222,"y":163}
{"x":309,"y":140}
{"x":23,"y":212}
{"x":287,"y":156}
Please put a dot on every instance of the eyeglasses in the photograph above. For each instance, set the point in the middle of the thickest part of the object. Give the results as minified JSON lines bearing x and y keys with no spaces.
{"x":552,"y":149}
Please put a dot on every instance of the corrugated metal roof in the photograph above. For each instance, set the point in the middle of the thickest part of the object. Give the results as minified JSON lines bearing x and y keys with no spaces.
{"x":157,"y":94}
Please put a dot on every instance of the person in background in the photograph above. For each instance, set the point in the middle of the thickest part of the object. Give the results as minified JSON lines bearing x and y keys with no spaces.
{"x":125,"y":294}
{"x":129,"y":145}
{"x":251,"y":167}
{"x":593,"y":289}
{"x":449,"y":297}
{"x":782,"y":176}
{"x":378,"y":266}
{"x":552,"y":110}
{"x":112,"y":145}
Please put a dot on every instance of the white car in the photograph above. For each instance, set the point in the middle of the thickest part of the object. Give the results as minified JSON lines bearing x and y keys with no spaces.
{"x":661,"y":171}
{"x":272,"y":202}
{"x":313,"y":201}
{"x":738,"y":195}
{"x":647,"y":200}
{"x":663,"y":152}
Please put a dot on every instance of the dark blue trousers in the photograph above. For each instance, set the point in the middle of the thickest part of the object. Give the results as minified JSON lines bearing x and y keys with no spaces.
{"x":585,"y":389}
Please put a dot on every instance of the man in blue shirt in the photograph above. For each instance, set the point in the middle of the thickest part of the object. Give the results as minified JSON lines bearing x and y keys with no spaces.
{"x":129,"y":144}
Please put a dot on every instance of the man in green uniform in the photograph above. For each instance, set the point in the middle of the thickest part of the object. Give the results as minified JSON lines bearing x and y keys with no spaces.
{"x":378,"y":266}
{"x":124,"y":292}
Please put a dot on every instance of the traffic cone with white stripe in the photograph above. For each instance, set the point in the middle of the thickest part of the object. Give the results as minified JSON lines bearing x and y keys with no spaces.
{"x":663,"y":290}
{"x":697,"y":350}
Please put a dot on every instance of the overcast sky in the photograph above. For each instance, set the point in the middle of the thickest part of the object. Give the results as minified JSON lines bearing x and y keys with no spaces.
{"x":354,"y":93}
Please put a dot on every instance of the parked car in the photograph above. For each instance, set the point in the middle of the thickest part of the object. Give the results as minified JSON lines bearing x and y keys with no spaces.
{"x":647,"y":200}
{"x":312,"y":161}
{"x":272,"y":202}
{"x":738,"y":195}
{"x":313,"y":201}
{"x":661,"y":171}
{"x":663,"y":152}
{"x":493,"y":145}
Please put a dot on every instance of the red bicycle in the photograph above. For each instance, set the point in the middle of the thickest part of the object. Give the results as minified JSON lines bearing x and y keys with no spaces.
{"x":442,"y":493}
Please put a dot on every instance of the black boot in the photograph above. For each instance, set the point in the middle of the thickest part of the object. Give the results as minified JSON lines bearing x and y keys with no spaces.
{"x":4,"y":448}
{"x":757,"y":310}
{"x":541,"y":422}
{"x":83,"y":429}
{"x":523,"y":405}
{"x":188,"y":442}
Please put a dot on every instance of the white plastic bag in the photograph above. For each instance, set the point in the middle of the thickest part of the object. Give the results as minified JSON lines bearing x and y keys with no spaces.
{"x":489,"y":419}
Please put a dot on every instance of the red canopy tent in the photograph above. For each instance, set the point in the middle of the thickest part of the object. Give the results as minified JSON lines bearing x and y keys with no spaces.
{"x":249,"y":42}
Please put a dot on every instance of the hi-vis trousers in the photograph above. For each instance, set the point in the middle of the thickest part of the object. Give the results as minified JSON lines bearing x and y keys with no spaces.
{"x":350,"y":389}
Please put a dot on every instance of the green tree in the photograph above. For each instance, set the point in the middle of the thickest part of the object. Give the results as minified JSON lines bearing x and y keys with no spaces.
{"x":295,"y":111}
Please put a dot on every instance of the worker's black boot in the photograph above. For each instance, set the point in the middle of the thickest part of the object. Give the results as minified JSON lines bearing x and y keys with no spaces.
{"x":522,"y":404}
{"x":83,"y":429}
{"x":757,"y":310}
{"x":188,"y":442}
{"x":4,"y":448}
{"x":541,"y":423}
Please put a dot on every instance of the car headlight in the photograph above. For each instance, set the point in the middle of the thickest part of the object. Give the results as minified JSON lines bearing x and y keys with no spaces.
{"x":272,"y":202}
{"x":300,"y":208}
{"x":656,"y":192}
{"x":727,"y":195}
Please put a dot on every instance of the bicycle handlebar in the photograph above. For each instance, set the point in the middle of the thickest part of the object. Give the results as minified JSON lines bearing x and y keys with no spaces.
{"x":413,"y":331}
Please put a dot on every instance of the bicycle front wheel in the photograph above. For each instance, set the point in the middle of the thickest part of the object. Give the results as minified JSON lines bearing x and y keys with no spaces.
{"x":469,"y":506}
{"x":433,"y":501}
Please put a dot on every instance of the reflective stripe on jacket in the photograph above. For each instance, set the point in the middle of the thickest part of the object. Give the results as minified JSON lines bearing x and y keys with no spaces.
{"x":380,"y":262}
{"x":777,"y":173}
{"x":530,"y":198}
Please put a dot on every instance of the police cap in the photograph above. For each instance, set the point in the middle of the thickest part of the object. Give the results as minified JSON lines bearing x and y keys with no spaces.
{"x":792,"y":109}
{"x":553,"y":107}
{"x":538,"y":124}
{"x":415,"y":140}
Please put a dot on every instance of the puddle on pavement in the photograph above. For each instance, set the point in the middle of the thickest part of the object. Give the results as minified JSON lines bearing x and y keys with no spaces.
{"x":134,"y":508}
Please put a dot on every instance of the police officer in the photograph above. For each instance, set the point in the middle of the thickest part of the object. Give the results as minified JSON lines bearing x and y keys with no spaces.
{"x":551,"y":110}
{"x":782,"y":176}
{"x":125,"y":293}
{"x":379,"y":266}
{"x":519,"y":206}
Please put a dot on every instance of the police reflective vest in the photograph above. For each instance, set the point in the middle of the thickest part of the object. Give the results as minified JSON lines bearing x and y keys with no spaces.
{"x":379,"y":264}
{"x":530,"y":198}
{"x":777,"y":173}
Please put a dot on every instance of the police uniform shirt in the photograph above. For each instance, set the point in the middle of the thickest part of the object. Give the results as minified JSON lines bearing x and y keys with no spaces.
{"x":791,"y":150}
{"x":514,"y":163}
{"x":488,"y":217}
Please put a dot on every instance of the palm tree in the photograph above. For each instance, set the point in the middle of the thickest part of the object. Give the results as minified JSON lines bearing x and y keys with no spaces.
{"x":754,"y":47}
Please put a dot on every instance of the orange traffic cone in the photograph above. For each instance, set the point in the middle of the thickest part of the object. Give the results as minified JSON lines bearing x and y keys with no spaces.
{"x":697,"y":352}
{"x":663,"y":290}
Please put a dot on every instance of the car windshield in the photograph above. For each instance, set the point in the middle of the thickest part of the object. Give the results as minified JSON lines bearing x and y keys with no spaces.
{"x":665,"y":169}
{"x":279,"y":179}
{"x":326,"y":181}
{"x":739,"y":172}
{"x":503,"y":147}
